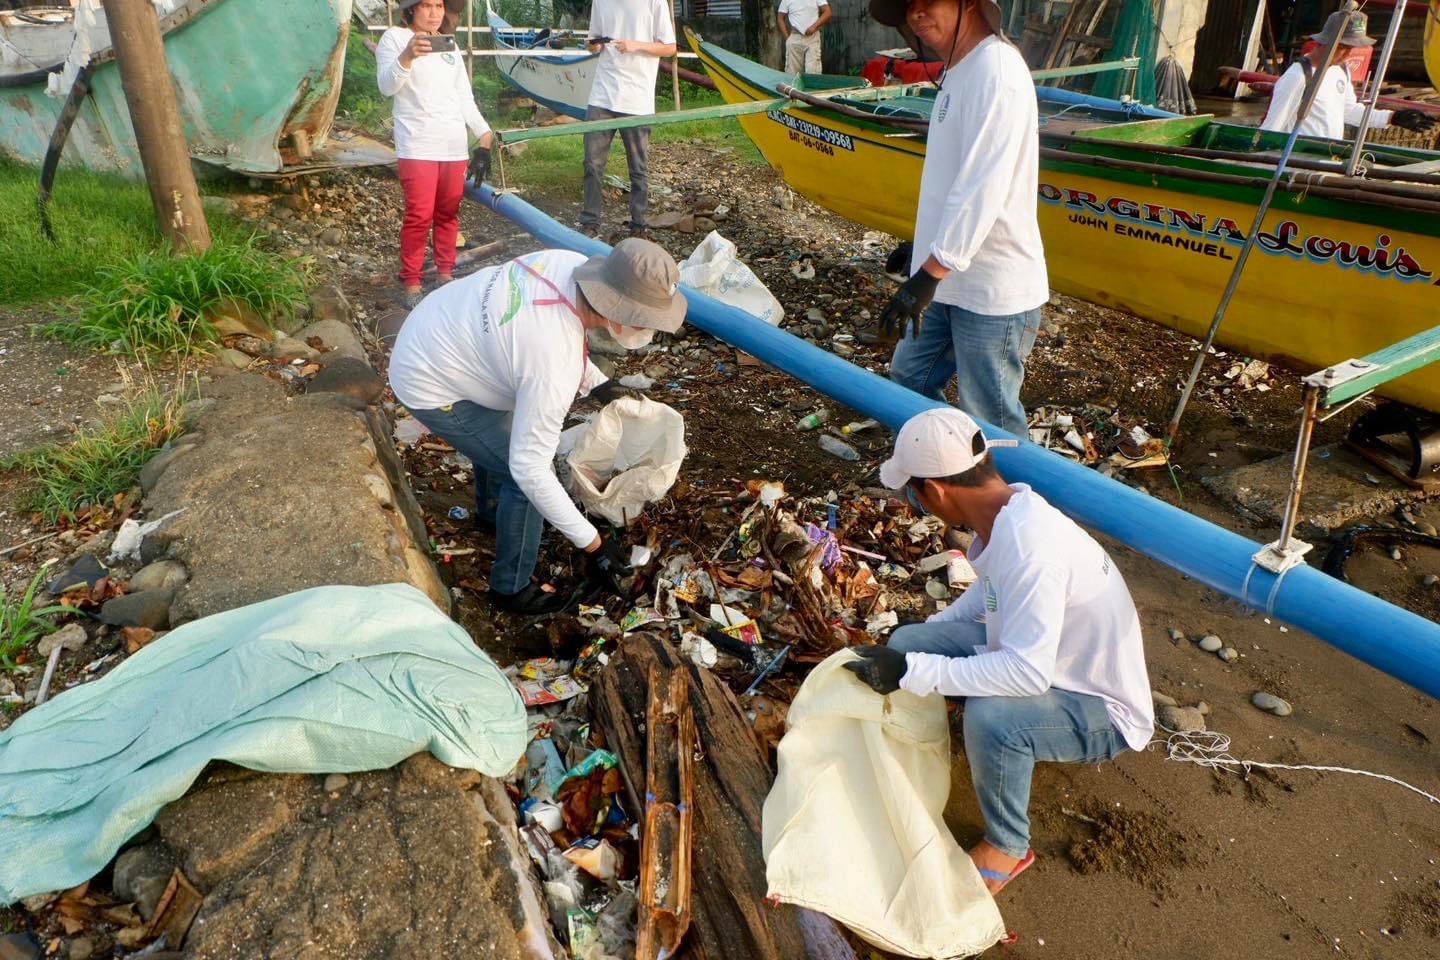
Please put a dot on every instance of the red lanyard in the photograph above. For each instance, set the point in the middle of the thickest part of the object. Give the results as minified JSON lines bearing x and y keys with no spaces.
{"x":560,"y":298}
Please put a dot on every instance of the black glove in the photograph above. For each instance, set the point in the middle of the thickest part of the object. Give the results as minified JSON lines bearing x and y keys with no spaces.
{"x":607,"y":566}
{"x":880,"y":668}
{"x":479,"y":166}
{"x":1417,"y":121}
{"x":909,"y":303}
{"x":898,"y":263}
{"x":610,"y":390}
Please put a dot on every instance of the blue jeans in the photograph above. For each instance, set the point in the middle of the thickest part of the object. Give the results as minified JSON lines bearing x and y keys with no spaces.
{"x":986,"y":355}
{"x":483,"y":435}
{"x":1004,"y":736}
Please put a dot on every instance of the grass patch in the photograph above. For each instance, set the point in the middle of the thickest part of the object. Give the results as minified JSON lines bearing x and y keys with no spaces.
{"x":20,"y":620}
{"x":98,"y":219}
{"x":360,"y":101}
{"x":154,"y":303}
{"x":95,"y":466}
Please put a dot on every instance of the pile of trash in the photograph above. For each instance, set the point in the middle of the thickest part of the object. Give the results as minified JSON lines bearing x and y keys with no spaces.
{"x":794,"y":581}
{"x":1095,"y":436}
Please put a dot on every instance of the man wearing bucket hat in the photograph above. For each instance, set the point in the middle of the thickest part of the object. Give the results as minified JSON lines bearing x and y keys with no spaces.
{"x":1335,"y":104}
{"x":977,"y":274}
{"x":492,"y":364}
{"x":1045,"y":646}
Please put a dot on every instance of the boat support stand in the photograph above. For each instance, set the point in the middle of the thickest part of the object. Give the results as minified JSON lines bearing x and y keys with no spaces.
{"x":1333,"y":390}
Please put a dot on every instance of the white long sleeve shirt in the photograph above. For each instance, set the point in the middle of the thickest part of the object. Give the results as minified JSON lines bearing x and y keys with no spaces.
{"x":501,"y":339}
{"x":1057,"y":614}
{"x":434,"y":103}
{"x":1334,"y":106}
{"x":977,"y":212}
{"x":625,"y":82}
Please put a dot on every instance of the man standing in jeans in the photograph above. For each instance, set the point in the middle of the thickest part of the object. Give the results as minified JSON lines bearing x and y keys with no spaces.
{"x":977,"y":271}
{"x":631,"y":36}
{"x":800,"y":22}
{"x":1045,"y":646}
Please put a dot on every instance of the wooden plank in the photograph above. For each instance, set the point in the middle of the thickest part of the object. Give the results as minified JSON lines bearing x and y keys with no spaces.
{"x":730,"y":916}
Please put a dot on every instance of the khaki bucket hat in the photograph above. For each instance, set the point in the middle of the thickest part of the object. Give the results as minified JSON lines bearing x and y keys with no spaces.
{"x":636,"y":284}
{"x":1350,"y":27}
{"x":892,"y":14}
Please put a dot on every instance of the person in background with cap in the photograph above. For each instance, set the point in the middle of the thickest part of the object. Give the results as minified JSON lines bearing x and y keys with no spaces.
{"x":631,"y":36}
{"x":1335,"y":104}
{"x":800,"y":23}
{"x":493,"y":362}
{"x":1045,"y":646}
{"x":977,"y":274}
{"x":434,"y":104}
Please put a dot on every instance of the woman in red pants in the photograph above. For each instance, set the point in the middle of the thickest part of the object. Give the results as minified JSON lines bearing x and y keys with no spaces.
{"x":434,"y":105}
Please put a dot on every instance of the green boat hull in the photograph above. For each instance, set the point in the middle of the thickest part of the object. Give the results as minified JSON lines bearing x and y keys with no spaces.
{"x":256,"y":84}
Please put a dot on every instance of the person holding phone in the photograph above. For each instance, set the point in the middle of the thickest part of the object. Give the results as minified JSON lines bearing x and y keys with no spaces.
{"x":434,"y":105}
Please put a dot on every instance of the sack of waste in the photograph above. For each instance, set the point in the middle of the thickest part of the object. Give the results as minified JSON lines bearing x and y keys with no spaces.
{"x":714,"y":269}
{"x":853,"y":825}
{"x":627,"y":456}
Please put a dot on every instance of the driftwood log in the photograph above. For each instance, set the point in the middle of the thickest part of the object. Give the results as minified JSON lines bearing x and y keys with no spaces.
{"x":730,"y":917}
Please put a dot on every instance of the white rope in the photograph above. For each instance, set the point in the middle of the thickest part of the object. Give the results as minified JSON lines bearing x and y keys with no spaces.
{"x":1211,"y":748}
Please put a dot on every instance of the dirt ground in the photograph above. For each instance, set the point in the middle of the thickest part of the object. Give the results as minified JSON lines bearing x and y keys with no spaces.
{"x":1145,"y":857}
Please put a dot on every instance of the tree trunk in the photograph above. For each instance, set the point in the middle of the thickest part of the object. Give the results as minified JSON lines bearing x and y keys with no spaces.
{"x":730,"y":917}
{"x":140,"y":56}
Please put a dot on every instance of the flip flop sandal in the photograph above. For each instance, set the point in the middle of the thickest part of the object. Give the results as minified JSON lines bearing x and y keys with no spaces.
{"x":1004,"y":878}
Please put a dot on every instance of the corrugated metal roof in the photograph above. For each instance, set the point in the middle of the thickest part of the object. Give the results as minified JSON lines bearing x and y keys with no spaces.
{"x":707,"y":8}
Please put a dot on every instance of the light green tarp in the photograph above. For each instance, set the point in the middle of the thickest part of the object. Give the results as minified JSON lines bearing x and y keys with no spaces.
{"x":334,"y":679}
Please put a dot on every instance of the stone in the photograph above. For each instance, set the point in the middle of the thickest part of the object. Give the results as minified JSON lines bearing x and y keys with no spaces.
{"x":18,"y":946}
{"x":7,"y":687}
{"x":334,"y":236}
{"x":1271,"y":703}
{"x":156,"y":547}
{"x":160,"y":575}
{"x":336,"y":782}
{"x":1211,"y":643}
{"x":234,"y":359}
{"x":288,"y":348}
{"x":148,"y":608}
{"x":1228,"y":654}
{"x":1204,"y":708}
{"x":70,"y":637}
{"x":1429,"y":580}
{"x":1427,"y":528}
{"x":252,"y":346}
{"x":336,"y":335}
{"x":85,"y":571}
{"x":1396,"y":555}
{"x":379,"y":489}
{"x":815,"y":315}
{"x":1162,"y":699}
{"x":191,"y":412}
{"x":348,"y":377}
{"x":328,"y":302}
{"x":82,"y":948}
{"x":156,"y":466}
{"x":1180,"y":719}
{"x":1176,"y":634}
{"x":141,"y":874}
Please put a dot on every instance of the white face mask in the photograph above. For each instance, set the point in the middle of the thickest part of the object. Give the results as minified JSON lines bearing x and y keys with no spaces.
{"x":631,"y":338}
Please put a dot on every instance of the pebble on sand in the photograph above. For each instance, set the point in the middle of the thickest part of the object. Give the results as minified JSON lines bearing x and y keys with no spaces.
{"x":336,"y":781}
{"x":1180,"y":719}
{"x":1271,"y":704}
{"x":1176,"y":634}
{"x":1430,"y":580}
{"x":1228,"y":654}
{"x":1210,"y":643}
{"x":1162,"y":699}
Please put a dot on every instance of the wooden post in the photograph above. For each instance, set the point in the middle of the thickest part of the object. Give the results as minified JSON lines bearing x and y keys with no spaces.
{"x":675,"y":60}
{"x":470,"y":39}
{"x":140,"y":56}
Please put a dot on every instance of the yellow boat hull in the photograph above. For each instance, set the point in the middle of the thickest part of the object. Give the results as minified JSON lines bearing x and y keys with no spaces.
{"x":1162,"y":254}
{"x":1432,"y":43}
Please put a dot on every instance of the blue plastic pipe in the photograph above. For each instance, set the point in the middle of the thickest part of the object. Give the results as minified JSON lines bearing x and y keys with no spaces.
{"x":1386,"y":637}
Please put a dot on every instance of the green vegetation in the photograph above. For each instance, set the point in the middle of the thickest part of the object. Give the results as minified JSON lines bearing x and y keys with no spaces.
{"x":96,"y":465}
{"x":20,"y":623}
{"x":360,"y":101}
{"x":154,"y":303}
{"x":98,"y":219}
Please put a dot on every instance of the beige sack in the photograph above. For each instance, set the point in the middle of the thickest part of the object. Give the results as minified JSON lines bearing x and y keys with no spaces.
{"x":852,"y":827}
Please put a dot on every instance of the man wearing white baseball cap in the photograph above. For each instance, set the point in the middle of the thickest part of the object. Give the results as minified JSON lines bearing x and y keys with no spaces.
{"x":1044,"y":647}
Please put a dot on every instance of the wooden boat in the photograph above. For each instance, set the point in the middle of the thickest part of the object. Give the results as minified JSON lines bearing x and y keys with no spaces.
{"x":561,"y":83}
{"x":257,"y":84}
{"x":1148,"y":215}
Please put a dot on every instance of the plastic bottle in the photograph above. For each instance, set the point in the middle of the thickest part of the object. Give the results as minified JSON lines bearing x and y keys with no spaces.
{"x":838,"y":448}
{"x":855,"y":426}
{"x":811,"y":421}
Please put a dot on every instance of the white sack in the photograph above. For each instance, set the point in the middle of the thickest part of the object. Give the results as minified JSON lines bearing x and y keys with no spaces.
{"x":852,"y":827}
{"x":715,"y":270}
{"x":629,"y":456}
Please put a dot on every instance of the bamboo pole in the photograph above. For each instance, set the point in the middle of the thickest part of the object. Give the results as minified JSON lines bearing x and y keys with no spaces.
{"x":470,"y":39}
{"x":675,"y":58}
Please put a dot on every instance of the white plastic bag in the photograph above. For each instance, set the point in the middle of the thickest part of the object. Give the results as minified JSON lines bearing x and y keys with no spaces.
{"x":629,"y":456}
{"x":853,"y":828}
{"x":715,"y":270}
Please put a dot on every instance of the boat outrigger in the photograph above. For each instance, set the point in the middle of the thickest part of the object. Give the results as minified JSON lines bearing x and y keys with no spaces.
{"x":1146,"y":213}
{"x":254,"y":99}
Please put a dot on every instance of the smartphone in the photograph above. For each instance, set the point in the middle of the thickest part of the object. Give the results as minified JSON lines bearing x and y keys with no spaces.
{"x":441,"y":42}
